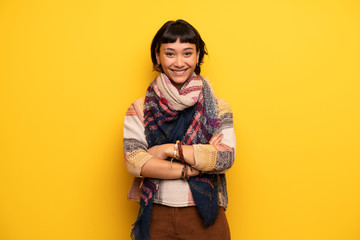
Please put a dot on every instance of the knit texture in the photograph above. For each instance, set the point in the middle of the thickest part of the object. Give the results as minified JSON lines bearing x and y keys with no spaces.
{"x":191,"y":115}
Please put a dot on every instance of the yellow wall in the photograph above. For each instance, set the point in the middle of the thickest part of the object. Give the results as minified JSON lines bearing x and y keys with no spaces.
{"x":290,"y":69}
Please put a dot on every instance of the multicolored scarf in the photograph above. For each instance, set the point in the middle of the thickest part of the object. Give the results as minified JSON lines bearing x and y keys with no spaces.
{"x":189,"y":114}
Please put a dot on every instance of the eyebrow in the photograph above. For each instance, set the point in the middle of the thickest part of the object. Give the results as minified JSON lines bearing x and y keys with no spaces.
{"x":171,"y":49}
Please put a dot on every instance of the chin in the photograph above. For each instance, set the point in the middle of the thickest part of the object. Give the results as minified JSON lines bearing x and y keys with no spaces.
{"x":180,"y":81}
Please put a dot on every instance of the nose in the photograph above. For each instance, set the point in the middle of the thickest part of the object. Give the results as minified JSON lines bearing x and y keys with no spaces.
{"x":179,"y":62}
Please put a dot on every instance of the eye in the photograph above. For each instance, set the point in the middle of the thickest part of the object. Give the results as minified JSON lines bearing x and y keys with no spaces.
{"x":188,"y":54}
{"x":169,"y":54}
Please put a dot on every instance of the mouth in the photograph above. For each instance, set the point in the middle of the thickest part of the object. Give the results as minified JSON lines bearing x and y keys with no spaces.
{"x":179,"y":72}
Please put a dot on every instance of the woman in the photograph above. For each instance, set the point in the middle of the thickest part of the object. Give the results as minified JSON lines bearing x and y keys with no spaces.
{"x":178,"y":142}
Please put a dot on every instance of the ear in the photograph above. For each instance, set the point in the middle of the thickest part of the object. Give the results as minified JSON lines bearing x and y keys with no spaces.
{"x":157,"y":58}
{"x":197,"y":57}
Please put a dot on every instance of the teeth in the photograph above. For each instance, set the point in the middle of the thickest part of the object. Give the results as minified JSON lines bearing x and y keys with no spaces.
{"x":179,"y":72}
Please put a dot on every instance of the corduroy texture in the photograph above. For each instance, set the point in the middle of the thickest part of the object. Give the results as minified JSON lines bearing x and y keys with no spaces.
{"x":191,"y":115}
{"x":165,"y":224}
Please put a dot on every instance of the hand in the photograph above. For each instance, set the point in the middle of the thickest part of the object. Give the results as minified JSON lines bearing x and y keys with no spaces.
{"x":216,"y":140}
{"x":192,"y":172}
{"x":161,"y":151}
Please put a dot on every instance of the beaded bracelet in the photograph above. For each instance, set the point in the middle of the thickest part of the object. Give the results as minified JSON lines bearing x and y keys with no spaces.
{"x":175,"y":153}
{"x":178,"y":149}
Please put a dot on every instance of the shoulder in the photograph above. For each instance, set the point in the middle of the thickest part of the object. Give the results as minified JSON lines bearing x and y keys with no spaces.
{"x":224,"y":107}
{"x":136,"y":108}
{"x":140,"y":103}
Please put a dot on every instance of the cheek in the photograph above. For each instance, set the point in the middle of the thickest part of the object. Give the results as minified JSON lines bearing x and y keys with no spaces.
{"x":164,"y":61}
{"x":193,"y":61}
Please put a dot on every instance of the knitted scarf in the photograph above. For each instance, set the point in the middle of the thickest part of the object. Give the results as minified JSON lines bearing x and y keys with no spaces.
{"x":189,"y":114}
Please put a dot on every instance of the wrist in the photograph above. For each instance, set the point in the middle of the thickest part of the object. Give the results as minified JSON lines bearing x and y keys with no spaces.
{"x":188,"y":171}
{"x":169,"y":151}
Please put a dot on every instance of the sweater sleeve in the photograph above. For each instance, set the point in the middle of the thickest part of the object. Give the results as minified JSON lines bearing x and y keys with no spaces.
{"x":218,"y":159}
{"x":135,"y":145}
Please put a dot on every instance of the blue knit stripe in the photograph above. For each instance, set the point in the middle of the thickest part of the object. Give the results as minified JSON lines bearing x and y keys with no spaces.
{"x":163,"y":125}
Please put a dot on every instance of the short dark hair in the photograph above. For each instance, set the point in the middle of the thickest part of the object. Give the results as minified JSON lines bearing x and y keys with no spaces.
{"x":173,"y":30}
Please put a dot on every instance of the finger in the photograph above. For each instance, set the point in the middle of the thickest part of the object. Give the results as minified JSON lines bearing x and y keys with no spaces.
{"x":218,"y":139}
{"x":219,"y":136}
{"x":214,"y":138}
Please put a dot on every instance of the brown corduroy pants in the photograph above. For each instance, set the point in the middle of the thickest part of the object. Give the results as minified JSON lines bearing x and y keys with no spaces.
{"x":185,"y":223}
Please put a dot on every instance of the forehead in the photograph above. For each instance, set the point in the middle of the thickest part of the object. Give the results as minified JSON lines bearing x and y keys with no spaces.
{"x":177,"y":46}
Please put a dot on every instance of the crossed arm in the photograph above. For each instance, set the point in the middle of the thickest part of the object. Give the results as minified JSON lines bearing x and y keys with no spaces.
{"x":159,"y":167}
{"x":215,"y":157}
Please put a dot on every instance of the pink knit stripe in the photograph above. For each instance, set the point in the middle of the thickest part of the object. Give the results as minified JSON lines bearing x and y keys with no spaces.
{"x":192,"y":127}
{"x":148,"y":191}
{"x":146,"y":200}
{"x":205,"y":180}
{"x":193,"y":79}
{"x":166,"y":109}
{"x":159,"y":122}
{"x":177,"y":100}
{"x":184,"y":92}
{"x":130,"y":111}
{"x":153,"y":127}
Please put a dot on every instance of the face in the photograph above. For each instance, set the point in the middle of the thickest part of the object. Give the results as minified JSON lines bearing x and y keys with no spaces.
{"x":178,"y":61}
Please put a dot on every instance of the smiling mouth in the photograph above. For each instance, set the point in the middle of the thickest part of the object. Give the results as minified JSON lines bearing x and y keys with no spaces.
{"x":179,"y":72}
